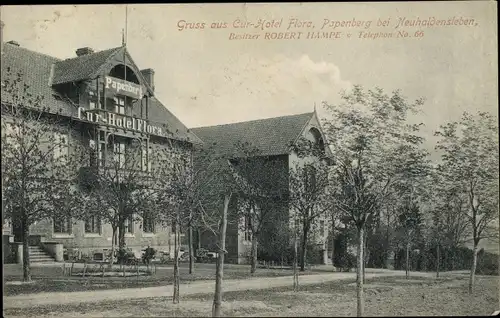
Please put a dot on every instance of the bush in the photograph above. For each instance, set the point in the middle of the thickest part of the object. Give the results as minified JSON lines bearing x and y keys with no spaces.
{"x":124,"y":256}
{"x":456,"y":258}
{"x":149,"y":254}
{"x":487,"y":263}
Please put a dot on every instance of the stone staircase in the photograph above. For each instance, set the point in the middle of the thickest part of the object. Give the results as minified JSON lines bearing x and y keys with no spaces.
{"x":38,"y":255}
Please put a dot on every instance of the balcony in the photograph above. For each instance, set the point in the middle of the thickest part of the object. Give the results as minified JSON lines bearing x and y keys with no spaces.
{"x":90,"y":176}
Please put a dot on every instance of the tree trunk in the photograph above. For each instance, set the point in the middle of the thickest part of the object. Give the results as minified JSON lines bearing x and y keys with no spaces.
{"x":176,"y":263}
{"x":26,"y":252}
{"x":365,"y":254}
{"x":113,"y":241}
{"x":359,"y":273}
{"x":438,"y":258}
{"x":304,"y":248}
{"x":216,"y":307}
{"x":333,"y":240}
{"x":387,"y":241}
{"x":253,"y":259}
{"x":295,"y":263}
{"x":473,"y":270}
{"x":199,"y":238}
{"x":407,"y":260}
{"x":190,"y":248}
{"x":121,"y":234}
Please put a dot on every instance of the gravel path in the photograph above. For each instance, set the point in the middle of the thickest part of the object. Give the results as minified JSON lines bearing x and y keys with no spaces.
{"x":199,"y":287}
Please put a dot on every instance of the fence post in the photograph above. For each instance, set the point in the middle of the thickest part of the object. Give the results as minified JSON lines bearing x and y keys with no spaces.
{"x":84,"y":268}
{"x":71,"y":270}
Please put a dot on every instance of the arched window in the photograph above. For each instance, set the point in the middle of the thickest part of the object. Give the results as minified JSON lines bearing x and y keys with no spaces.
{"x":315,"y":136}
{"x":124,"y":72}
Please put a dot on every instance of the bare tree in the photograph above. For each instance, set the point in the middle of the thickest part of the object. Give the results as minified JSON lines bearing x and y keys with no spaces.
{"x":120,"y":186}
{"x":218,"y":182}
{"x":264,"y":187}
{"x":470,"y":163}
{"x":36,"y":168}
{"x":178,"y":188}
{"x":308,"y":183}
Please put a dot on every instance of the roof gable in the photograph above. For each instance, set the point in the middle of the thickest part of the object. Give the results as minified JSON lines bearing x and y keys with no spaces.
{"x":92,"y":65}
{"x":36,"y":69}
{"x":272,"y":136}
{"x":82,"y":67}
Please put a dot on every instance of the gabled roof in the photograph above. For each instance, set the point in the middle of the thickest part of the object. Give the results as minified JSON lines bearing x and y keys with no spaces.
{"x":272,"y":136}
{"x":36,"y":69}
{"x":81,"y":67}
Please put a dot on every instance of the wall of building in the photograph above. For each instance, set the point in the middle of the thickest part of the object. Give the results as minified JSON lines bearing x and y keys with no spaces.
{"x":89,"y":243}
{"x":316,"y":236}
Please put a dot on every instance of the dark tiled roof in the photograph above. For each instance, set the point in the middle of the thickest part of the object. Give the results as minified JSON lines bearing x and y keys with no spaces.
{"x":81,"y":67}
{"x":271,"y":136}
{"x":157,"y":111}
{"x":36,"y":69}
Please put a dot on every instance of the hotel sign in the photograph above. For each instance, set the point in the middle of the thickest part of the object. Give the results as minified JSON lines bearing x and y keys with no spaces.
{"x":100,"y":116}
{"x":117,"y":86}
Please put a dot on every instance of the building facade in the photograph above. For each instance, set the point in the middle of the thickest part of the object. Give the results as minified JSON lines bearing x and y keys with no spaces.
{"x":273,"y":138}
{"x":111,"y":105}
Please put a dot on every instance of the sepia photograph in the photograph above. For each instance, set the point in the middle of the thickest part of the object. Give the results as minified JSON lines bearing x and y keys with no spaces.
{"x":250,"y":159}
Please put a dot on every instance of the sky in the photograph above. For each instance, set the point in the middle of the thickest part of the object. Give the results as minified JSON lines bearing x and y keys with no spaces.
{"x":206,"y":79}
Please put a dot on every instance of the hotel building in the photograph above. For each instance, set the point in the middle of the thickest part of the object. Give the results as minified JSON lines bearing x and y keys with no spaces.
{"x":111,"y":103}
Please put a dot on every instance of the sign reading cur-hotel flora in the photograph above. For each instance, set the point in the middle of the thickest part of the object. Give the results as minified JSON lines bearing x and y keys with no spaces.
{"x":118,"y":86}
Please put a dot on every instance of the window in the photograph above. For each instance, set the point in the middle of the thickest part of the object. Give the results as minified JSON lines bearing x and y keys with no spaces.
{"x":248,"y":228}
{"x":119,"y":153}
{"x":322,"y":228}
{"x":93,"y":225}
{"x":97,"y":151}
{"x":129,"y":225}
{"x":146,"y":159}
{"x":92,"y":100}
{"x":148,"y":224}
{"x":119,"y":105}
{"x":60,"y":146}
{"x":63,"y":225}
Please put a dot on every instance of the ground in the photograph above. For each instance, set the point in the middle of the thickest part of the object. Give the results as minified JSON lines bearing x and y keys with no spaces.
{"x":49,"y":278}
{"x":321,"y":294}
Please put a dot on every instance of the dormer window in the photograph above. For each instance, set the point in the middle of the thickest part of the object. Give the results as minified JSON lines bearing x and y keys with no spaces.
{"x":119,"y":104}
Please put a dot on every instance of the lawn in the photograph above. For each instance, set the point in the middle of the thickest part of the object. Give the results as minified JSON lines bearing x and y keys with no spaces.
{"x":385,"y":296}
{"x":50,"y":279}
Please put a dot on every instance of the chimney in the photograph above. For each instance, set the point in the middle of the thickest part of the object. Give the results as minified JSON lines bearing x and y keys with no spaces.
{"x":149,"y":75}
{"x":15,"y":43}
{"x":84,"y":51}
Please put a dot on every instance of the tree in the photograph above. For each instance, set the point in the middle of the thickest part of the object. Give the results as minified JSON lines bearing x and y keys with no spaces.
{"x":36,"y":166}
{"x":221,"y":182}
{"x":410,"y":221}
{"x":120,"y":186}
{"x":308,"y":184}
{"x":469,"y":162}
{"x":179,"y":185}
{"x":449,"y":229}
{"x":373,"y":146}
{"x":265,"y":187}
